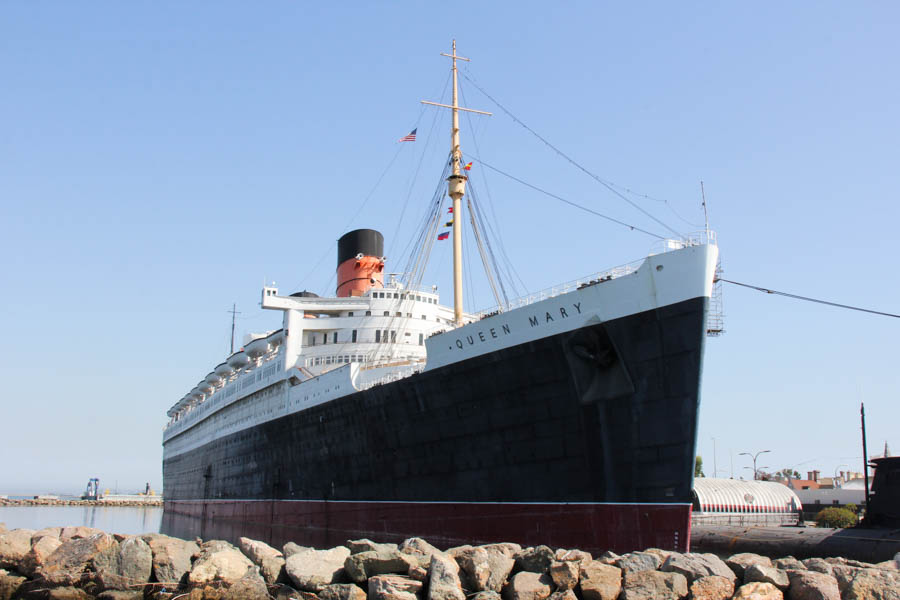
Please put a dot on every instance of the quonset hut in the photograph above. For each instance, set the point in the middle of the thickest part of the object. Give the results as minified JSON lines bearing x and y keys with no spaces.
{"x":736,"y":502}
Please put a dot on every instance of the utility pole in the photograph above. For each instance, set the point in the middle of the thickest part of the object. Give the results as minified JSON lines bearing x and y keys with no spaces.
{"x":862,"y":418}
{"x":715,"y":464}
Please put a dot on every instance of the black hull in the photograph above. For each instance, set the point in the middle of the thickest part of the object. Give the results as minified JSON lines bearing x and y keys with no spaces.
{"x":607,"y":413}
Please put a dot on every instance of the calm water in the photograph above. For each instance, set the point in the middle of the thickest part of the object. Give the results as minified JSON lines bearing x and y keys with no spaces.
{"x":128,"y":520}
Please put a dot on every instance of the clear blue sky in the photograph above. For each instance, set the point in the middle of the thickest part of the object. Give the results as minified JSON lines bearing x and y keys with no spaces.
{"x":160,"y":160}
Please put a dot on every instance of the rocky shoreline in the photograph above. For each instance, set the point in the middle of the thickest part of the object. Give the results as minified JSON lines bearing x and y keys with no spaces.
{"x":80,"y":563}
{"x":148,"y":501}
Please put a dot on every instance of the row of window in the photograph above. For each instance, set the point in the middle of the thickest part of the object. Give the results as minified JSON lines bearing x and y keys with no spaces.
{"x":380,"y":336}
{"x":405,"y":296}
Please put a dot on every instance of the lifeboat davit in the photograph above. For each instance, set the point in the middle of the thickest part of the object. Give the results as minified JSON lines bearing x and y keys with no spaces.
{"x":275,"y":338}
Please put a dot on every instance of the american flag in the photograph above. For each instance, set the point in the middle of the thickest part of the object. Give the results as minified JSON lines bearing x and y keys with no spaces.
{"x":409,"y":137}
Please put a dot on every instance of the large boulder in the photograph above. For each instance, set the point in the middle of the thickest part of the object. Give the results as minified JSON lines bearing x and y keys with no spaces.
{"x":171,"y":558}
{"x":310,"y":570}
{"x":291,"y":549}
{"x":565,"y":574}
{"x":485,"y":567}
{"x":534,"y":560}
{"x":528,"y":585}
{"x":819,"y":565}
{"x":221,"y":563}
{"x":574,"y":554}
{"x":694,"y":566}
{"x":856,"y":583}
{"x":420,"y":549}
{"x":443,"y":579}
{"x":128,"y":568}
{"x":365,"y":545}
{"x":638,"y":561}
{"x":75,"y":562}
{"x":269,"y":560}
{"x":712,"y":587}
{"x":342,"y":591}
{"x":563,"y":595}
{"x":393,"y":587}
{"x":382,"y":560}
{"x":45,"y":532}
{"x":765,"y":574}
{"x":41,"y":548}
{"x":599,"y":581}
{"x":10,"y":584}
{"x":758,"y":590}
{"x":14,"y":545}
{"x":739,"y":562}
{"x":789,"y":563}
{"x":251,"y":587}
{"x":654,"y":585}
{"x":77,"y":533}
{"x":810,"y":585}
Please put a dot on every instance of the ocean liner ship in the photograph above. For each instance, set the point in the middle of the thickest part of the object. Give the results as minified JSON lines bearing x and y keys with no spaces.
{"x":567,"y":419}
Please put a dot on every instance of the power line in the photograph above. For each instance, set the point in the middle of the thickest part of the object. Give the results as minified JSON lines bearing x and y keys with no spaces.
{"x":816,"y":300}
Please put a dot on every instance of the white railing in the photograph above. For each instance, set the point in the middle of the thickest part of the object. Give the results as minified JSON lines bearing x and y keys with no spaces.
{"x":564,"y":288}
{"x":390,"y":377}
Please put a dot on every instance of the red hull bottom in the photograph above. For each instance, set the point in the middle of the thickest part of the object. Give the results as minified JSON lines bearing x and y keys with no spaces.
{"x":586,"y":526}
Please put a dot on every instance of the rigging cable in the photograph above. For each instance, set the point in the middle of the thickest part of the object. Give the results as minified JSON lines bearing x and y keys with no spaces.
{"x":816,"y":300}
{"x":569,"y":202}
{"x":597,"y":178}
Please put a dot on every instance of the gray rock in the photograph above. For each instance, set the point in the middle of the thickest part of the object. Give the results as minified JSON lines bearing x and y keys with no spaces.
{"x":171,"y":558}
{"x":534,"y":560}
{"x":638,"y":561}
{"x":662,"y":554}
{"x":384,"y":560}
{"x":789,"y":563}
{"x":758,"y":590}
{"x":421,"y":549}
{"x":765,"y":574}
{"x":41,"y":548}
{"x":269,"y":560}
{"x":220,"y":562}
{"x":486,"y":595}
{"x":9,"y":584}
{"x":77,"y":533}
{"x":393,"y":587}
{"x":856,"y":583}
{"x":61,"y":593}
{"x":528,"y":585}
{"x":599,"y":581}
{"x":311,"y":570}
{"x":654,"y":585}
{"x":485,"y":567}
{"x":563,"y":595}
{"x":694,"y":566}
{"x":121,"y":595}
{"x":608,"y":558}
{"x":45,"y":532}
{"x":291,"y":548}
{"x":739,"y":562}
{"x":14,"y":545}
{"x":129,"y":566}
{"x":819,"y":565}
{"x":73,"y":562}
{"x":505,"y":548}
{"x":712,"y":587}
{"x":364,"y":545}
{"x":573,"y":554}
{"x":809,"y":585}
{"x":282,"y":591}
{"x":443,"y":579}
{"x":565,"y":574}
{"x":342,"y":591}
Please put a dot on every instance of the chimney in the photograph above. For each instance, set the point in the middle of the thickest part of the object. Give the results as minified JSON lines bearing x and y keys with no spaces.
{"x":360,"y":262}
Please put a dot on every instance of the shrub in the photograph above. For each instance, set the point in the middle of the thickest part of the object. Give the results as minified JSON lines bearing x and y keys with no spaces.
{"x":852,"y":508}
{"x":835,"y":517}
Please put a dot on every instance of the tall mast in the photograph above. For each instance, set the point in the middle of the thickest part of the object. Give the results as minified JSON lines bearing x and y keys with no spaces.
{"x":456,"y":188}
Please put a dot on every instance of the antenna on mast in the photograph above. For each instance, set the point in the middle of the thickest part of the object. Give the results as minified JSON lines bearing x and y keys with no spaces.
{"x":456,"y":187}
{"x":233,"y":312}
{"x":705,"y":210}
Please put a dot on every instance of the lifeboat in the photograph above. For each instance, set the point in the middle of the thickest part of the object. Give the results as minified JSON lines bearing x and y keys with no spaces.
{"x":275,"y":338}
{"x":257,"y":348}
{"x":196,"y":394}
{"x":223,"y":370}
{"x":212,"y":379}
{"x":205,"y":387}
{"x":238,"y":360}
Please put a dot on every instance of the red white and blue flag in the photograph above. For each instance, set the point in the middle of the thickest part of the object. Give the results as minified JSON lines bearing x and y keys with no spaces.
{"x":409,"y":137}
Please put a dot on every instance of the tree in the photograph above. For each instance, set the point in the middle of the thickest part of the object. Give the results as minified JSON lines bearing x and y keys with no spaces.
{"x":789,"y":473}
{"x":698,"y":467}
{"x":835,"y":517}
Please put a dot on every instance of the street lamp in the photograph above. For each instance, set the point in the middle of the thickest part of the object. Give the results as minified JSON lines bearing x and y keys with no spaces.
{"x":754,"y":457}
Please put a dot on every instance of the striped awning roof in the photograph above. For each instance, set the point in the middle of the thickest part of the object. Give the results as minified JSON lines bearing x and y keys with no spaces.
{"x":731,"y":495}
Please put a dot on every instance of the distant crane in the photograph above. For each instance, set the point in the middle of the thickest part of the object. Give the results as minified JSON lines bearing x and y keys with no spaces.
{"x":92,"y":491}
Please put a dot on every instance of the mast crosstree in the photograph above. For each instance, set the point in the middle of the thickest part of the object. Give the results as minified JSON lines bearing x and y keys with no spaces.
{"x":456,"y":186}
